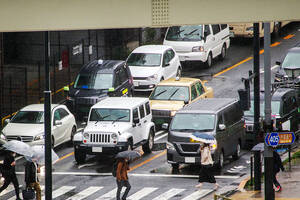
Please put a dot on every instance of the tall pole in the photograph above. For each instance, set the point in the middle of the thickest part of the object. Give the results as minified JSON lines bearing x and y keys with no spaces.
{"x":268,"y":152}
{"x":47,"y":123}
{"x":256,"y":84}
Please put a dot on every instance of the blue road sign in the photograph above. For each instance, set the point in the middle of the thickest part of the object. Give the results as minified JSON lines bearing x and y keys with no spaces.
{"x":280,"y":138}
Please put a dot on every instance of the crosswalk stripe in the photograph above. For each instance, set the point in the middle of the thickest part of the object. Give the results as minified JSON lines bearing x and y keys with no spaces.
{"x":13,"y":198}
{"x":62,"y":190}
{"x":8,"y":190}
{"x":169,"y":194}
{"x":85,"y":193}
{"x":142,"y":193}
{"x":198,"y":194}
{"x":110,"y":195}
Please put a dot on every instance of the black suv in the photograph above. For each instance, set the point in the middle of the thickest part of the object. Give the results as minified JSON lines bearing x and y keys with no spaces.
{"x":97,"y":80}
{"x":284,"y":106}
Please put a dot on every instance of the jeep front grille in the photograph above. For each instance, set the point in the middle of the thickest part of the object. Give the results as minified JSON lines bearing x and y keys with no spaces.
{"x":99,"y":138}
{"x":161,"y":113}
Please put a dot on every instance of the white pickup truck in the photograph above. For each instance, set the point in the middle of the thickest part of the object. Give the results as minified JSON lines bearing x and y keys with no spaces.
{"x":116,"y":124}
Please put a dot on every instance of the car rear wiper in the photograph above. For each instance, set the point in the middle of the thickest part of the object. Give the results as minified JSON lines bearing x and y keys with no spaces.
{"x":119,"y":119}
{"x":173,"y":93}
{"x":160,"y":93}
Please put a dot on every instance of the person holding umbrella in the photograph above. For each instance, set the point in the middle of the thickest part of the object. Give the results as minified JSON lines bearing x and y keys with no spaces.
{"x":9,"y":173}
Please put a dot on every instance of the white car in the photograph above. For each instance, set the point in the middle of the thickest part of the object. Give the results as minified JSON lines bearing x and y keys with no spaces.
{"x":27,"y":125}
{"x":150,"y":64}
{"x":116,"y":124}
{"x":199,"y":42}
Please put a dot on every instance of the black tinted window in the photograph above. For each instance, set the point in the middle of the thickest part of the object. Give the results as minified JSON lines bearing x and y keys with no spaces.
{"x":135,"y":114}
{"x":207,"y":30}
{"x":63,"y":113}
{"x":233,"y":114}
{"x":215,"y":28}
{"x":147,"y":105}
{"x":123,"y":75}
{"x":223,"y":26}
{"x":142,"y":111}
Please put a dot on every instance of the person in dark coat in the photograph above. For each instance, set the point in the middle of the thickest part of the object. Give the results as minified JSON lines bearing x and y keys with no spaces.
{"x":122,"y":178}
{"x":31,"y":178}
{"x":276,"y":168}
{"x":9,"y":173}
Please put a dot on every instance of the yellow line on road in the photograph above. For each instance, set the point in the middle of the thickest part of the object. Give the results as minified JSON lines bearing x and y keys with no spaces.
{"x":288,"y":36}
{"x":66,"y":156}
{"x":275,"y":44}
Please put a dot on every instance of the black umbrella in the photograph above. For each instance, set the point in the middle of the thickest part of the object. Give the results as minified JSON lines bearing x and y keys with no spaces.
{"x":128,"y":154}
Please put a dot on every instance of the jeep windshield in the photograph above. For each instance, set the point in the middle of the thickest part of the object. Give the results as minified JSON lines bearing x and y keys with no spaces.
{"x":185,"y":33}
{"x":28,"y":117}
{"x":275,"y":106}
{"x":94,"y":81}
{"x":193,"y":122}
{"x":144,"y":59}
{"x":108,"y":114}
{"x":170,"y":93}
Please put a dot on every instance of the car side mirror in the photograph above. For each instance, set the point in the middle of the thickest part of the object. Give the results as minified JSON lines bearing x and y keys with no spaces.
{"x":136,"y":120}
{"x":165,"y":126}
{"x":222,"y":127}
{"x":6,"y":121}
{"x":278,"y":63}
{"x":58,"y":123}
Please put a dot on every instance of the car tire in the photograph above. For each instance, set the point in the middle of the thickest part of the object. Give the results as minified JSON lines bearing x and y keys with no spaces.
{"x":237,"y":153}
{"x":148,"y":146}
{"x":223,"y":52}
{"x":129,"y":145}
{"x":73,"y":132}
{"x":79,"y":156}
{"x":220,"y":163}
{"x":208,"y":62}
{"x":52,"y":142}
{"x":179,"y":71}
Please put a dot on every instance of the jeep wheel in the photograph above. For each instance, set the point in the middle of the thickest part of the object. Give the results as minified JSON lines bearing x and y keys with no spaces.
{"x":223,"y":52}
{"x":237,"y":153}
{"x":148,"y":146}
{"x":79,"y":156}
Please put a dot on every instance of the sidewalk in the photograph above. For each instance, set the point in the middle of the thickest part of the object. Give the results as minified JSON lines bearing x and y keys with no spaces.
{"x":289,"y":180}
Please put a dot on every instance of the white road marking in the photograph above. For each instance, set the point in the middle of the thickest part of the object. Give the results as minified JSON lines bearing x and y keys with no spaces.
{"x":62,"y":190}
{"x":169,"y":194}
{"x":142,"y":193}
{"x":240,"y":167}
{"x":198,"y":194}
{"x":274,"y":67}
{"x":8,"y":190}
{"x":110,"y":195}
{"x":85,"y":193}
{"x":86,"y":165}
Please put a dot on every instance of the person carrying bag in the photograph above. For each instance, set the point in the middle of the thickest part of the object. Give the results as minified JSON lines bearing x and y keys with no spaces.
{"x":32,"y":182}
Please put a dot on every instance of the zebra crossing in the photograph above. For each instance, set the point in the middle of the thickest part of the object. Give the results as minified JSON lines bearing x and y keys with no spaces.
{"x":106,"y":193}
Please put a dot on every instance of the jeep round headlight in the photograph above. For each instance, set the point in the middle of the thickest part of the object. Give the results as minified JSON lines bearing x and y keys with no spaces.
{"x":86,"y":135}
{"x":114,"y":136}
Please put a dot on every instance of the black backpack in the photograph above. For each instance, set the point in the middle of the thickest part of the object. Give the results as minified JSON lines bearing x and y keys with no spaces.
{"x":114,"y":169}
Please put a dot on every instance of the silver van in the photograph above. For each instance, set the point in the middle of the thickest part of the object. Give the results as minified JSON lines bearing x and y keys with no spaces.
{"x":221,"y":117}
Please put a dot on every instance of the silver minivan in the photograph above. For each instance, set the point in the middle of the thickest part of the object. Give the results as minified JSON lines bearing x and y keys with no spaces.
{"x":220,"y":117}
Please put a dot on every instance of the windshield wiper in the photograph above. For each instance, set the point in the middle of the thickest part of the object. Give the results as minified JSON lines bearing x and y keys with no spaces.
{"x":160,"y":93}
{"x":190,"y":33}
{"x":119,"y":119}
{"x":173,"y":93}
{"x":184,"y":129}
{"x":101,"y":118}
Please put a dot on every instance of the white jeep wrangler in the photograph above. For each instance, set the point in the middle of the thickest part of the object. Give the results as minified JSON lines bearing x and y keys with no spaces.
{"x":116,"y":124}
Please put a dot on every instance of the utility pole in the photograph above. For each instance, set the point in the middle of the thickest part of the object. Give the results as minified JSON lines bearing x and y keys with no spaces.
{"x":268,"y":152}
{"x":47,"y":122}
{"x":256,"y":82}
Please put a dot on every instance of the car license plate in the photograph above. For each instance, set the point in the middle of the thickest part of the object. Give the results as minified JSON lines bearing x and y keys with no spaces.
{"x":96,"y":149}
{"x":189,"y":160}
{"x":136,"y":84}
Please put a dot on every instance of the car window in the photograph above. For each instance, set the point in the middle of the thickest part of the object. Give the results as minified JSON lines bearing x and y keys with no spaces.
{"x":135,"y":113}
{"x":199,"y":88}
{"x":220,"y":119}
{"x":56,"y":115}
{"x":207,"y":29}
{"x":170,"y":93}
{"x":117,"y":81}
{"x":193,"y":92}
{"x":289,"y":104}
{"x":144,"y":59}
{"x":63,"y":113}
{"x":123,"y":75}
{"x":171,"y":54}
{"x":233,"y":114}
{"x":224,"y":26}
{"x":148,"y":110}
{"x":185,"y":33}
{"x":167,"y":58}
{"x":215,"y":28}
{"x":142,"y":111}
{"x":30,"y":117}
{"x":110,"y":114}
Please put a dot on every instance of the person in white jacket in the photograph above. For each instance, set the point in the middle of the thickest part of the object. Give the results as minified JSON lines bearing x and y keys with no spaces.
{"x":206,"y":173}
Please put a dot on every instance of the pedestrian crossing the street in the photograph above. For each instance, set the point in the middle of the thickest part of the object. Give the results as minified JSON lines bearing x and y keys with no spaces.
{"x":106,"y":193}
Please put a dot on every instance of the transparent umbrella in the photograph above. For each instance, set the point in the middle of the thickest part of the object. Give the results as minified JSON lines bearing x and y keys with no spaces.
{"x":39,"y":155}
{"x":128,"y":154}
{"x":18,"y":147}
{"x":203,"y":137}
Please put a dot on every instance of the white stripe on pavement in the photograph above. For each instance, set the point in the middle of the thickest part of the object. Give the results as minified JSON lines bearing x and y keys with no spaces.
{"x":110,"y":195}
{"x":169,"y":194}
{"x":85,"y":193}
{"x":198,"y":194}
{"x":62,"y":190}
{"x":142,"y":193}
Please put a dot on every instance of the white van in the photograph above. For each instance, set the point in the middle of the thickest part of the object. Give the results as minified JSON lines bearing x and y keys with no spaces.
{"x":199,"y":42}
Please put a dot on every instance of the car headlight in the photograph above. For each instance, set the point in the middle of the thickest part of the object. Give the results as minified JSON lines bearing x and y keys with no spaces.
{"x":2,"y":136}
{"x":173,"y":112}
{"x":152,"y":78}
{"x":86,"y":135}
{"x":39,"y":137}
{"x":170,"y":146}
{"x":213,"y":146}
{"x":249,"y":28}
{"x":114,"y":136}
{"x":198,"y":49}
